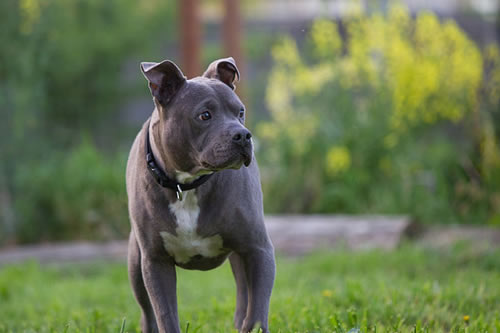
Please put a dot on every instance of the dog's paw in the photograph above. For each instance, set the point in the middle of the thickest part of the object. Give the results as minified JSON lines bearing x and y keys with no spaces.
{"x":253,"y":327}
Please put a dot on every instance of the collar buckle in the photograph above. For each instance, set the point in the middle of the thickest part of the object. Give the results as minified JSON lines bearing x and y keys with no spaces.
{"x":178,"y":191}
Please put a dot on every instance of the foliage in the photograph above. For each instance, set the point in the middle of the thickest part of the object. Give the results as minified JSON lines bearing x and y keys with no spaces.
{"x":78,"y":194}
{"x":62,"y":70}
{"x":62,"y":66}
{"x":393,"y":117}
{"x":409,"y":290}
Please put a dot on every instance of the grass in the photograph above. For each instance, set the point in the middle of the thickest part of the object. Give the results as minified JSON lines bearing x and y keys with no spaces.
{"x":412,"y":289}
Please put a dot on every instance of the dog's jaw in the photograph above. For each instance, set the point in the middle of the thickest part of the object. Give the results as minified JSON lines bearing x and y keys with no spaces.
{"x":187,"y":177}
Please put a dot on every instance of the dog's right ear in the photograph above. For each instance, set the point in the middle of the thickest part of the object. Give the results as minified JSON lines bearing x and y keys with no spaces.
{"x":224,"y":70}
{"x":165,"y":79}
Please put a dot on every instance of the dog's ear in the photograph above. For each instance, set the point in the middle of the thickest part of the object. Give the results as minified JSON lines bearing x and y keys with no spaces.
{"x":224,"y":70}
{"x":165,"y":79}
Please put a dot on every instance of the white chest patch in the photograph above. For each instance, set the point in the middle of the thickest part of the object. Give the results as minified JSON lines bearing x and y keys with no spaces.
{"x":187,"y":243}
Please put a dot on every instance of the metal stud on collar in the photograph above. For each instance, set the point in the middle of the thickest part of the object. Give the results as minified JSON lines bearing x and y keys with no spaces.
{"x":179,"y":192}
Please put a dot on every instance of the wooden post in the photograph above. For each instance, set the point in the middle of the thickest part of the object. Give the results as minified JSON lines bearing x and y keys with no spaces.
{"x":232,"y":30}
{"x":232,"y":35}
{"x":190,"y":31}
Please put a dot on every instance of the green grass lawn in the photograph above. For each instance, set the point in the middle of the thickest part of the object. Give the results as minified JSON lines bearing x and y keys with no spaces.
{"x":412,"y":289}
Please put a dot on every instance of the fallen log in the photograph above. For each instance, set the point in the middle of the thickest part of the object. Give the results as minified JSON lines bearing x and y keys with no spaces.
{"x":291,"y":235}
{"x":296,"y":234}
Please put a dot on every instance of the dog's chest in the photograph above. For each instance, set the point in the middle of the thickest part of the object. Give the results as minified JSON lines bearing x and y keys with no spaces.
{"x":186,"y":243}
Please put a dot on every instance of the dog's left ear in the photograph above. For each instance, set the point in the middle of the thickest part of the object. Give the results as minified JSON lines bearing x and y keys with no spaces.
{"x":224,"y":70}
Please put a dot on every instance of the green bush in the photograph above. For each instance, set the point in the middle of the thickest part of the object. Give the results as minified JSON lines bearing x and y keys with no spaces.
{"x":393,"y":119}
{"x":62,"y":74}
{"x":77,"y":194}
{"x":61,"y":61}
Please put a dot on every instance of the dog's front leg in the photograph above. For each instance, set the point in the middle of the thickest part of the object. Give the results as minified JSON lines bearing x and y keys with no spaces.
{"x":160,"y":281}
{"x":260,"y":270}
{"x":238,"y":268}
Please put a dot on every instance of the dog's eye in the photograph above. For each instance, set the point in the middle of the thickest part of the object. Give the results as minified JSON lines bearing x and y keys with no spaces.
{"x":242,"y":113}
{"x":205,"y":115}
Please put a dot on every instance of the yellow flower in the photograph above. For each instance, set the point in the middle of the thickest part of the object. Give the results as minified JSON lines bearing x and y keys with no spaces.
{"x":30,"y":10}
{"x":466,"y":318}
{"x":326,"y":38}
{"x":338,"y":159}
{"x":327,"y":293}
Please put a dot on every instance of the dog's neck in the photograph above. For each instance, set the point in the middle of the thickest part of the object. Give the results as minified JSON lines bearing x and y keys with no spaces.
{"x":159,"y":154}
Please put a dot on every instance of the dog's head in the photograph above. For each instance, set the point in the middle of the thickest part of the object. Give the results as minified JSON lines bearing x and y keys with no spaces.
{"x":201,"y":121}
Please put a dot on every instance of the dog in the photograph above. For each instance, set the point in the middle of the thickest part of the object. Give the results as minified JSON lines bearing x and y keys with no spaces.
{"x":194,"y":196}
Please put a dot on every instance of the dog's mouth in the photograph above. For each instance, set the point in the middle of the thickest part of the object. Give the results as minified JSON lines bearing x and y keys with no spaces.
{"x":247,"y":158}
{"x":233,"y":162}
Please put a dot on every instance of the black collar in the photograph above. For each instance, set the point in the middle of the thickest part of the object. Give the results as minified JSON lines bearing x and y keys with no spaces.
{"x":162,"y":179}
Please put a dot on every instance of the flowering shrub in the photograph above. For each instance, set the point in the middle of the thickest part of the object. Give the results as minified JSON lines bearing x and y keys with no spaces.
{"x":391,"y":118}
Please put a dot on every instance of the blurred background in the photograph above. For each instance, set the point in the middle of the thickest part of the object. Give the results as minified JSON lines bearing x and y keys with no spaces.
{"x":357,"y":107}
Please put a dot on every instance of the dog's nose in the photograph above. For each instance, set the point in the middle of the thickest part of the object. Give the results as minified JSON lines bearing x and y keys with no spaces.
{"x":242,"y":137}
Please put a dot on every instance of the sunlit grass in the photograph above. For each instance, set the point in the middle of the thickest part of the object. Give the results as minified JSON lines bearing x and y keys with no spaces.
{"x":410,"y":290}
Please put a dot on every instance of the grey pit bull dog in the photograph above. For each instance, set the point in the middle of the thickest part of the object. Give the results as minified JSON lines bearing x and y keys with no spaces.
{"x":191,"y":203}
